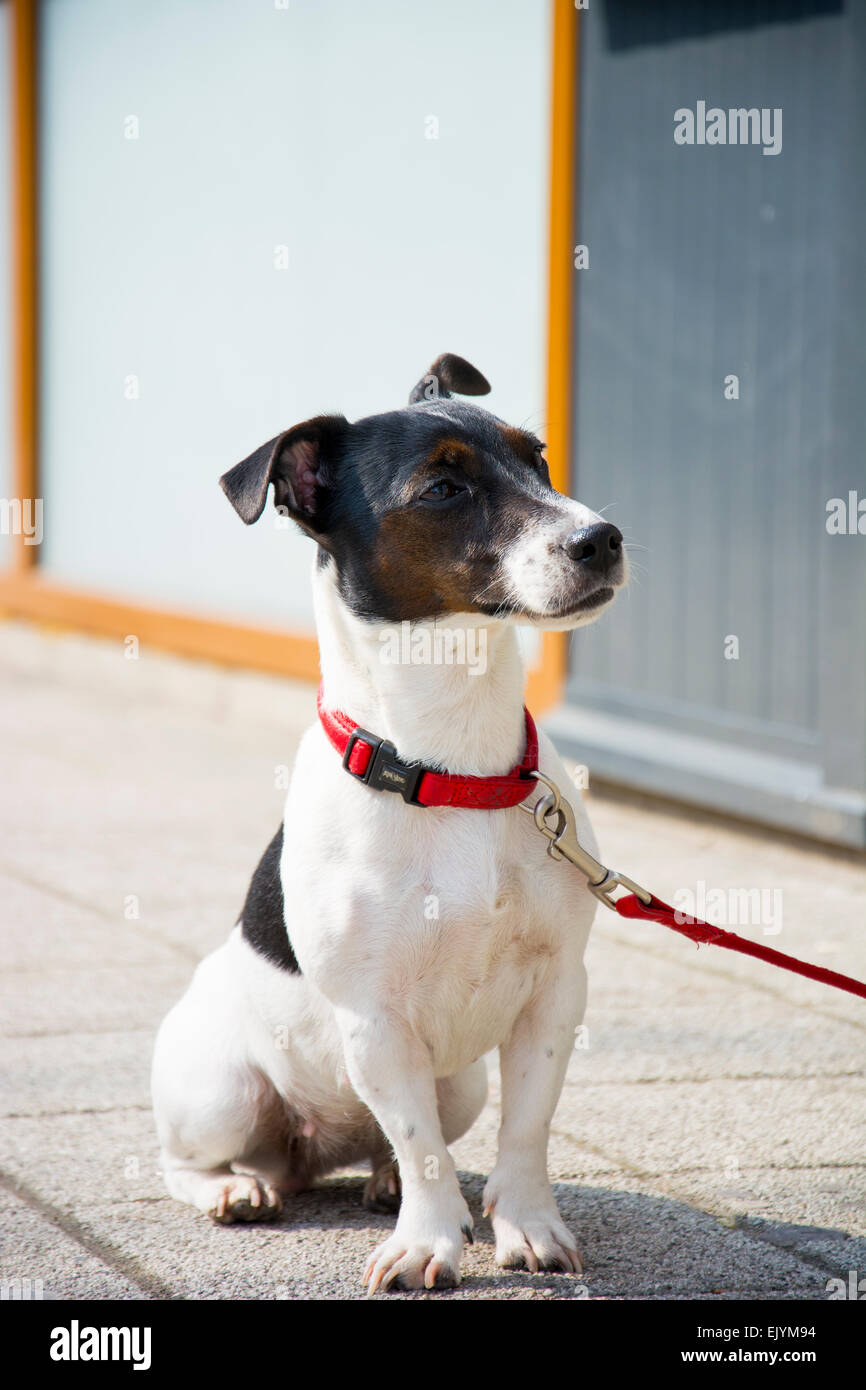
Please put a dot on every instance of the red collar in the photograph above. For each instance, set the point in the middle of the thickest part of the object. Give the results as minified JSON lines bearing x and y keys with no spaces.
{"x":375,"y":762}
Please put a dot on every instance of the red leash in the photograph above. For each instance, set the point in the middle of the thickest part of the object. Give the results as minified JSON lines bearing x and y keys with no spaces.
{"x":697,"y":930}
{"x":375,"y":762}
{"x":554,"y":817}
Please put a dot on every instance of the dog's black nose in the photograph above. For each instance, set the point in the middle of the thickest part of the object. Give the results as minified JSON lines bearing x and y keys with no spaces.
{"x":595,"y":547}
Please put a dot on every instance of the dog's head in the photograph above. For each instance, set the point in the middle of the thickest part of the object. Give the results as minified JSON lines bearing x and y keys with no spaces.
{"x":438,"y":508}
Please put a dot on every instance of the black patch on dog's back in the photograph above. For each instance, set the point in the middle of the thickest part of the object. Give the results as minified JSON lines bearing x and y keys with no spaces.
{"x":263,"y":922}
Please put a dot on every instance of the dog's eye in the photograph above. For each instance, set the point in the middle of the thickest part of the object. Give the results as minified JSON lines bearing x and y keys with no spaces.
{"x":441,"y":491}
{"x":539,"y":462}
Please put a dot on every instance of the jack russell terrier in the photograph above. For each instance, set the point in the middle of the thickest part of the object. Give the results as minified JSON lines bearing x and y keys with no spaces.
{"x":405,"y":919}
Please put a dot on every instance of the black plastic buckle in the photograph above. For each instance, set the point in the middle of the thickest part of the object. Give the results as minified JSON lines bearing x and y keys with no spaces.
{"x":384,"y":772}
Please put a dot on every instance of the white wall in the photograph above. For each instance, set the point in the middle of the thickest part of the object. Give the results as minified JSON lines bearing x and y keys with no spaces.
{"x":262,"y":126}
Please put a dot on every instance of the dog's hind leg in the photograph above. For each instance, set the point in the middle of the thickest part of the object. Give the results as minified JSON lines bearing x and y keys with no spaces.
{"x":204,"y":1147}
{"x":223,"y":1195}
{"x":213,"y":1108}
{"x":382,"y":1188}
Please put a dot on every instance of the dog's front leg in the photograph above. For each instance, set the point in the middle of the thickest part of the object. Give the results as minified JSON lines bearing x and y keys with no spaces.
{"x":391,"y":1071}
{"x":526,"y":1221}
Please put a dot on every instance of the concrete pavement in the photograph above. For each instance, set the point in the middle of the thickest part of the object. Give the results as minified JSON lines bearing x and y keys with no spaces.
{"x":710,"y":1139}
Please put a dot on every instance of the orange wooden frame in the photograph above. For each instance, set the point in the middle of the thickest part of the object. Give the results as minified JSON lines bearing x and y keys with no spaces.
{"x":232,"y":644}
{"x":546,"y":684}
{"x":23,"y":592}
{"x":25,"y":288}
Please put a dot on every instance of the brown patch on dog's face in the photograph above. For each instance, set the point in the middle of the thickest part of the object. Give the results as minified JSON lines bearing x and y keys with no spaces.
{"x":450,"y":451}
{"x":421,"y":561}
{"x":449,"y":457}
{"x":460,"y":505}
{"x":526,"y":447}
{"x":425,"y":571}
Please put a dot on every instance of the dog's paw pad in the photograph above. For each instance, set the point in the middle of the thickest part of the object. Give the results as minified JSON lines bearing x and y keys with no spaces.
{"x":245,"y":1198}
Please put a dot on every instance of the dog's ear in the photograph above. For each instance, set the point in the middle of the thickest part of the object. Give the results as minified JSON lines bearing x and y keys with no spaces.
{"x":300,"y":463}
{"x":449,"y":373}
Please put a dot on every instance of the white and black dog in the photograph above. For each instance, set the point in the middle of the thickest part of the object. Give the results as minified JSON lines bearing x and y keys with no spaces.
{"x":385,"y":946}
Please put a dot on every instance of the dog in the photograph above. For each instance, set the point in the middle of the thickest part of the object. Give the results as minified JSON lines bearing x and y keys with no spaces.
{"x":385,"y":946}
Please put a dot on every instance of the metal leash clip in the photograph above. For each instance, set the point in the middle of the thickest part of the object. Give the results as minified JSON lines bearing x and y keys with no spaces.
{"x":555,"y":818}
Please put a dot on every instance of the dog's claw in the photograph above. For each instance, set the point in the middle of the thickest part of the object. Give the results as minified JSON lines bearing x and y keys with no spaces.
{"x":438,"y":1275}
{"x":402,"y":1263}
{"x":532,"y":1237}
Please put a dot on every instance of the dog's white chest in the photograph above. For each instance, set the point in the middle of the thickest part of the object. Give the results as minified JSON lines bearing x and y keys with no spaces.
{"x":466,"y":976}
{"x":448,"y":919}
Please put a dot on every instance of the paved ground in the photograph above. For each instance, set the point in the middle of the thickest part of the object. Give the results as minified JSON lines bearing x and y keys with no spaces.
{"x":710,"y":1139}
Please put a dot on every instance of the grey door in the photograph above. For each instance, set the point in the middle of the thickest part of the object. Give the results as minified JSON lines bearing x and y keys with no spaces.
{"x":708,"y":262}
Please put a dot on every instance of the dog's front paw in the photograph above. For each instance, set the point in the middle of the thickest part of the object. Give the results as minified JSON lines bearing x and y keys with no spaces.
{"x":530,"y":1233}
{"x":245,"y":1198}
{"x":421,"y":1254}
